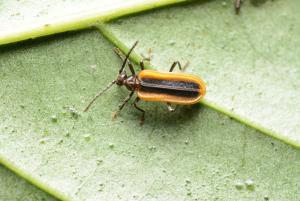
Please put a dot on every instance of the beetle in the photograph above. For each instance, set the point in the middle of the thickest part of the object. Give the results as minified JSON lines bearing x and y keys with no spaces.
{"x":150,"y":85}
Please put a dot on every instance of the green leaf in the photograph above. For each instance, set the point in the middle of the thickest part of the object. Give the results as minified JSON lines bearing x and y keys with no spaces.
{"x":250,"y":62}
{"x":21,"y":20}
{"x":194,"y":153}
{"x":15,"y":188}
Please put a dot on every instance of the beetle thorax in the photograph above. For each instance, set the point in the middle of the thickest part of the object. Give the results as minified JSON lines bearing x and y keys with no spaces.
{"x":130,"y":82}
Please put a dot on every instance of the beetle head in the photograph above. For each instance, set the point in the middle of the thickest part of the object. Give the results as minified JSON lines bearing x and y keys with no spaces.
{"x":121,"y":78}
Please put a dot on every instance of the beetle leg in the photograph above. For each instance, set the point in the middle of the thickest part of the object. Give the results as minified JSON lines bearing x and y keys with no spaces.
{"x":237,"y":6}
{"x":174,"y":65}
{"x":142,"y":65}
{"x":179,"y":66}
{"x":140,"y":109}
{"x":123,"y":104}
{"x":131,"y":68}
{"x":148,"y":59}
{"x":170,"y":108}
{"x":142,"y":62}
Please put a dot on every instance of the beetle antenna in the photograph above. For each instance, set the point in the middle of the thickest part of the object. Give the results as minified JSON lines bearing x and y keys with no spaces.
{"x":127,"y":56}
{"x":99,"y":94}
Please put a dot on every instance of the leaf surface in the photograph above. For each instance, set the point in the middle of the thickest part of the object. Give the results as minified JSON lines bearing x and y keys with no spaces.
{"x":15,"y":188}
{"x":22,"y":20}
{"x":194,"y":153}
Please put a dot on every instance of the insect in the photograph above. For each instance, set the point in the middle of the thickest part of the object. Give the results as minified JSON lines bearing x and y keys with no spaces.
{"x":150,"y":85}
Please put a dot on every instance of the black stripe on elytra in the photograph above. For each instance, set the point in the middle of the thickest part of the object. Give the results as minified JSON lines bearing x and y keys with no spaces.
{"x":170,"y":84}
{"x":173,"y":92}
{"x":170,"y":87}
